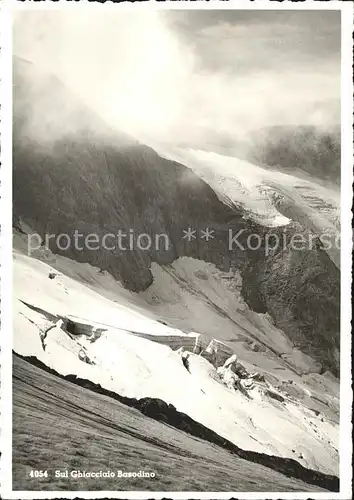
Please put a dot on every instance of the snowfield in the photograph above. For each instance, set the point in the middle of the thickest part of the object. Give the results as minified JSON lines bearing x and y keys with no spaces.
{"x":136,"y":353}
{"x":268,"y":196}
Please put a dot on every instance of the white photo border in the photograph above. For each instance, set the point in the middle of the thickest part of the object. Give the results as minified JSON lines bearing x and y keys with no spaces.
{"x":6,"y":10}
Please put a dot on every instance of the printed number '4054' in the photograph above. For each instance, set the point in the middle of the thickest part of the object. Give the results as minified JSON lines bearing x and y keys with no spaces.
{"x":39,"y":473}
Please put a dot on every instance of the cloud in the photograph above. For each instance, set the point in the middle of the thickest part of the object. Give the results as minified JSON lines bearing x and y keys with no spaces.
{"x":168,"y":76}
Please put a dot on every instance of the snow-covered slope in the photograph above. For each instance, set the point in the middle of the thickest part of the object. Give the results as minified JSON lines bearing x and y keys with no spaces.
{"x":195,"y":294}
{"x":300,"y":427}
{"x":270,"y":197}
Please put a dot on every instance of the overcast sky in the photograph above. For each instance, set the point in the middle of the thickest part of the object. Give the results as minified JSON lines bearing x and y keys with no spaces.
{"x":172,"y":75}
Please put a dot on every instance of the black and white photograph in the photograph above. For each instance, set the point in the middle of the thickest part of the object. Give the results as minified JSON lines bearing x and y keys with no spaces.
{"x":180,"y":251}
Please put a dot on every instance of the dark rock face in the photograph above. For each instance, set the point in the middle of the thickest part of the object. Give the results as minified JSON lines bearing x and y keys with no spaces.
{"x":306,"y":148}
{"x":93,"y":181}
{"x":81,"y":176}
{"x":301,"y":291}
{"x":131,"y":190}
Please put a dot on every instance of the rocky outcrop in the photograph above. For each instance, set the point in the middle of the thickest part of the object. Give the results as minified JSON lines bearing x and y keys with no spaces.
{"x":307,"y":148}
{"x":235,"y":376}
{"x":217,"y":352}
{"x":301,"y":291}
